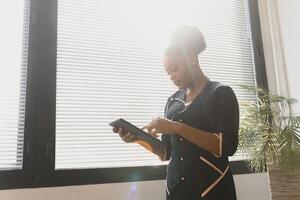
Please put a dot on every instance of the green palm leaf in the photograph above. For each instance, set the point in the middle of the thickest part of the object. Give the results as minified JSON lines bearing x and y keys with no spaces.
{"x":270,"y":132}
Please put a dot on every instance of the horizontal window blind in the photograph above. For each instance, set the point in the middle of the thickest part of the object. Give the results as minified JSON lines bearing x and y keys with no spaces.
{"x":109,"y":65}
{"x":14,"y":20}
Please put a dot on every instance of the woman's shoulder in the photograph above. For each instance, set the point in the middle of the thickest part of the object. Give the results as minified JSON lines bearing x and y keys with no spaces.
{"x":220,"y":88}
{"x":223,"y":93}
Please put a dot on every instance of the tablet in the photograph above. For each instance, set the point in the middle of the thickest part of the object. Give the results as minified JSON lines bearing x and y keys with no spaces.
{"x":152,"y":144}
{"x":128,"y":127}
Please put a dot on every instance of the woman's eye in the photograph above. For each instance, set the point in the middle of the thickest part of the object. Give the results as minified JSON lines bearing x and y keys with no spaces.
{"x":173,"y":69}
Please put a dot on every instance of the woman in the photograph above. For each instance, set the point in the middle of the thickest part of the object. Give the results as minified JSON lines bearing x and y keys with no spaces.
{"x":200,"y":127}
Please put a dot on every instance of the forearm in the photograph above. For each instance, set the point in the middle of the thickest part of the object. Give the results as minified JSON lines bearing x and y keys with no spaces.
{"x":203,"y":139}
{"x":157,"y":147}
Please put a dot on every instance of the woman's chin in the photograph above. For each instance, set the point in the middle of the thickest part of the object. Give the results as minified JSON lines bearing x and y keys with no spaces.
{"x":179,"y":86}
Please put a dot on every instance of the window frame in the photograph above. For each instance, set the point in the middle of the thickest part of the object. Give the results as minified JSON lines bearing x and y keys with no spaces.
{"x":16,"y":177}
{"x":39,"y":133}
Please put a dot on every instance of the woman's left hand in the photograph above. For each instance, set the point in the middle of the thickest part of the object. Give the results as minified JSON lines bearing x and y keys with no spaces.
{"x":160,"y":125}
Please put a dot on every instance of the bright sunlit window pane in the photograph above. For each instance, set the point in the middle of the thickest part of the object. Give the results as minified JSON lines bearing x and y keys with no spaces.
{"x":13,"y":51}
{"x":109,"y":65}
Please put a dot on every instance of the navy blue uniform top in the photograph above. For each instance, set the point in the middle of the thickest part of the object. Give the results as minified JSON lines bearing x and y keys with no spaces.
{"x":194,"y":173}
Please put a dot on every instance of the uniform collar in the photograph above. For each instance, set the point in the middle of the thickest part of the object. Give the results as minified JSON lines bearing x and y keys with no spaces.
{"x":182,"y":95}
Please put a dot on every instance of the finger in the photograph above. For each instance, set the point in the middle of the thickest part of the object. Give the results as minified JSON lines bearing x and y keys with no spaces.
{"x":115,"y":129}
{"x":154,"y":132}
{"x":130,"y":138}
{"x":145,"y":127}
{"x":120,"y":131}
{"x":151,"y":127}
{"x":127,"y":135}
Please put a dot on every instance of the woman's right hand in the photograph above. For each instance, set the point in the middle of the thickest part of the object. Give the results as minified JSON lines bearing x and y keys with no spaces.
{"x":126,"y":136}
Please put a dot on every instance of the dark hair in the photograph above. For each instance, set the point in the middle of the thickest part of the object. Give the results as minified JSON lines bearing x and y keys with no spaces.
{"x":186,"y":40}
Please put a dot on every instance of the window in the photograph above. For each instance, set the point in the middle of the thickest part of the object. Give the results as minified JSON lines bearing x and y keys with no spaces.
{"x":90,"y":62}
{"x":109,"y":65}
{"x":13,"y":37}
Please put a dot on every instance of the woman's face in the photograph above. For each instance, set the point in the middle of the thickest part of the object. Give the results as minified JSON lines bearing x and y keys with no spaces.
{"x":178,"y":70}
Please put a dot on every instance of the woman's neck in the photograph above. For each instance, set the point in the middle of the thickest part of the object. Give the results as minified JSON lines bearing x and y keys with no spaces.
{"x":200,"y":80}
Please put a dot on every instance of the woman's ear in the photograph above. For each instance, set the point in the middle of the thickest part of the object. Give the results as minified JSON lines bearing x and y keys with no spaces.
{"x":194,"y":61}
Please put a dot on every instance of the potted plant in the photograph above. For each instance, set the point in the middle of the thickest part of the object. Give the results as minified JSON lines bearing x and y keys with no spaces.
{"x":270,"y":138}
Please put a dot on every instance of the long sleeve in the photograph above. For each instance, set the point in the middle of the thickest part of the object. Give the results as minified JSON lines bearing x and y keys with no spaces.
{"x":166,"y":140}
{"x":227,"y":120}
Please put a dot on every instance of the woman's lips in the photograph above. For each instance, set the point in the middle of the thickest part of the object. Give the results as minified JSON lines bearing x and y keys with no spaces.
{"x":176,"y":82}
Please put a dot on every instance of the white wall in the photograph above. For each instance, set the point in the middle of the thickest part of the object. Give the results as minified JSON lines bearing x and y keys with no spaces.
{"x":281,"y":31}
{"x":249,"y":187}
{"x":289,"y":20}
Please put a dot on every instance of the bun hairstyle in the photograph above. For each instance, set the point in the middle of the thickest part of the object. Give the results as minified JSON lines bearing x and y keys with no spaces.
{"x":187,"y":40}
